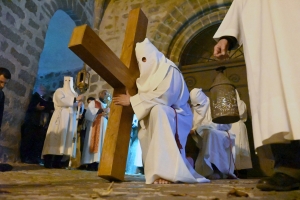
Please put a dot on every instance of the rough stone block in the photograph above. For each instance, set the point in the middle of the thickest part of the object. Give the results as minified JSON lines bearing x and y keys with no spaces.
{"x":18,"y":88}
{"x":93,"y":88}
{"x":33,"y":24}
{"x":62,"y":4}
{"x":32,"y":51}
{"x":31,"y":6}
{"x":14,"y":8}
{"x":43,"y":34}
{"x":48,"y":7}
{"x":46,"y":12}
{"x":72,"y":15}
{"x":134,"y":6}
{"x":21,"y":58}
{"x":70,"y":5}
{"x":41,"y":17}
{"x":90,"y":12}
{"x":17,"y":106}
{"x":94,"y":78}
{"x":39,"y":42}
{"x":3,"y":45}
{"x":106,"y":86}
{"x":10,"y":18}
{"x":26,"y":77}
{"x":7,"y":64}
{"x":9,"y":34}
{"x":54,"y":6}
{"x":25,"y":31}
{"x":82,"y":3}
{"x":84,"y":19}
{"x":214,"y":17}
{"x":7,"y":101}
{"x":79,"y":10}
{"x":154,"y":9}
{"x":165,"y":29}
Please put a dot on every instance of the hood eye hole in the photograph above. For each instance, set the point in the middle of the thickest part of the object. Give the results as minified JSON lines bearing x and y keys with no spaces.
{"x":144,"y":59}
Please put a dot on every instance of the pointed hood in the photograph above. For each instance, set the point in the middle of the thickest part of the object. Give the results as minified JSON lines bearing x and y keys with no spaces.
{"x":153,"y":66}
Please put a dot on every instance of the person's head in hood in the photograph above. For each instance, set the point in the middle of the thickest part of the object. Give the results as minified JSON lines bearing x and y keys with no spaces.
{"x":153,"y":66}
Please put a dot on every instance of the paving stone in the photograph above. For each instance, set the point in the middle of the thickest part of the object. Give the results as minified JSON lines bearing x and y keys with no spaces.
{"x":36,"y":182}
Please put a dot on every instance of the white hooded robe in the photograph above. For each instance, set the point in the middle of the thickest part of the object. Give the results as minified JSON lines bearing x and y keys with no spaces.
{"x":90,"y":116}
{"x":242,"y":149}
{"x":269,"y":31}
{"x":63,"y":124}
{"x":215,"y":141}
{"x":162,"y":94}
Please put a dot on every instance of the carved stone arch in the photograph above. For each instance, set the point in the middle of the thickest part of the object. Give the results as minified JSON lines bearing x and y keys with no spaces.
{"x":184,"y":21}
{"x":81,"y":12}
{"x":74,"y":16}
{"x":179,"y":43}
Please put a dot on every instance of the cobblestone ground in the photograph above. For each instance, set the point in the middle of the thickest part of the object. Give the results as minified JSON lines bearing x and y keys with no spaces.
{"x":37,"y":182}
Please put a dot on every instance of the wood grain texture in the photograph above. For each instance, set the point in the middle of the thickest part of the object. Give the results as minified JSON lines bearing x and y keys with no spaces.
{"x":121,"y":74}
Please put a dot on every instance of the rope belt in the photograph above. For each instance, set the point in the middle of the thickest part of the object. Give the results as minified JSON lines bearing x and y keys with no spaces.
{"x":176,"y":133}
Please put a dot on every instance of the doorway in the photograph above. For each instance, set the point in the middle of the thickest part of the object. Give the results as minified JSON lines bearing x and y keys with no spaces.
{"x":198,"y":65}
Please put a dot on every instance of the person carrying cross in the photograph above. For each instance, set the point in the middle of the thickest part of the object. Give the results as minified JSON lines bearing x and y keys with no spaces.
{"x":164,"y":115}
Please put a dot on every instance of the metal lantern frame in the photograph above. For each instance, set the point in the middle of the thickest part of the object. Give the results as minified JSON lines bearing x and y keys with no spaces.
{"x":224,"y":108}
{"x":83,"y":80}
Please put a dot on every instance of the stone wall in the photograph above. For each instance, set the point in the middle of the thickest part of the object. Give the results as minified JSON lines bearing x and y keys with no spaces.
{"x":168,"y":21}
{"x":23,"y":26}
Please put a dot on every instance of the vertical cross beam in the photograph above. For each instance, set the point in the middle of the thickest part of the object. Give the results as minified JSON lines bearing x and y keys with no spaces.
{"x":121,"y":74}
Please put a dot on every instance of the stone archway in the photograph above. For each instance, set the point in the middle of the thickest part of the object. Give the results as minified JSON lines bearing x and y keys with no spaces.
{"x":184,"y":21}
{"x":56,"y":59}
{"x":23,"y":26}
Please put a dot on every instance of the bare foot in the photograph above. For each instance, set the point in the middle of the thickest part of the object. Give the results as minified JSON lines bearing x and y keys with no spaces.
{"x":162,"y":181}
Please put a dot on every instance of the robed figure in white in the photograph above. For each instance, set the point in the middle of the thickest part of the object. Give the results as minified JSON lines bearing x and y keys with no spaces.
{"x":271,"y":54}
{"x":242,"y":150}
{"x":96,"y":123}
{"x":63,"y":123}
{"x":215,"y":142}
{"x":165,"y":118}
{"x":269,"y":31}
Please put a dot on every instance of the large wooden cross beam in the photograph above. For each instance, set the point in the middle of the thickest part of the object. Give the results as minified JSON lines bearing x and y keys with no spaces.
{"x":120,"y":74}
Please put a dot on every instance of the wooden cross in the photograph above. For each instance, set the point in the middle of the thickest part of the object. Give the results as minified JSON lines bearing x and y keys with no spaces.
{"x":121,"y":74}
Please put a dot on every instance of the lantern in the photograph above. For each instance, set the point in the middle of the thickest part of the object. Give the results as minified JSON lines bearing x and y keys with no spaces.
{"x":107,"y":99}
{"x":224,"y":108}
{"x":82,"y":80}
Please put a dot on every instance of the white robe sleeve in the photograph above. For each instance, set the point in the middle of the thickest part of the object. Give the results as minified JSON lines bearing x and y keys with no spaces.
{"x":63,"y":100}
{"x":91,"y":112}
{"x":199,"y":115}
{"x":231,"y":25}
{"x":165,"y":94}
{"x":242,"y":110}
